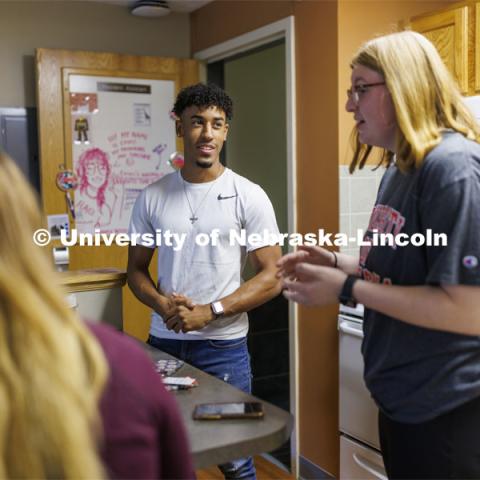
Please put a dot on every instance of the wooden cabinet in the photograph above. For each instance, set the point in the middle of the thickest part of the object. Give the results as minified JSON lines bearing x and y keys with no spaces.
{"x":455,"y":31}
{"x":450,"y":31}
{"x":96,"y":294}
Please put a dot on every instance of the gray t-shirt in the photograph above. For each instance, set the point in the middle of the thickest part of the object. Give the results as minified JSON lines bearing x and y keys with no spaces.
{"x":413,"y":373}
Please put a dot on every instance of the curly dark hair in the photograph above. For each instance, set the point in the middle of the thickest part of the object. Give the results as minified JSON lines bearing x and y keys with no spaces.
{"x":202,"y":95}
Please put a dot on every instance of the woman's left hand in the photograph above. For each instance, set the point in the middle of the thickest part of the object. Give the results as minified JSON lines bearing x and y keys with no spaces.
{"x":314,"y":285}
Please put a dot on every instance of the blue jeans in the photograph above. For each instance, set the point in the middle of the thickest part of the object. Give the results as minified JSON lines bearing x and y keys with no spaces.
{"x":227,"y":360}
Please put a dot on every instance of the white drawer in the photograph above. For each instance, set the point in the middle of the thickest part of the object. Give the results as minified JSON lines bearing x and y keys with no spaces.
{"x":358,"y":412}
{"x":359,"y":462}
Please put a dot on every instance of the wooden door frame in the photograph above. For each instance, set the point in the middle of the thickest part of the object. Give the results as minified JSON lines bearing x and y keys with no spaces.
{"x":51,"y":66}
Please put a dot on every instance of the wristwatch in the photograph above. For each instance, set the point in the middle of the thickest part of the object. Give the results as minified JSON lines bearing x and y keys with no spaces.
{"x":217,"y":308}
{"x":346,"y":294}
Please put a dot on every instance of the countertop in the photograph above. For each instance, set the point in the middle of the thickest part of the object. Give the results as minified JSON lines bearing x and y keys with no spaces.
{"x":214,"y":442}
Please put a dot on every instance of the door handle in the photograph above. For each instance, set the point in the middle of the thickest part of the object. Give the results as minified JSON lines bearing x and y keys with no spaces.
{"x":345,"y":328}
{"x":370,"y":467}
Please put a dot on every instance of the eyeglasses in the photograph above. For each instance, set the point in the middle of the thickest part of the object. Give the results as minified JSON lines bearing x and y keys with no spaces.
{"x":357,"y":91}
{"x":99,"y":167}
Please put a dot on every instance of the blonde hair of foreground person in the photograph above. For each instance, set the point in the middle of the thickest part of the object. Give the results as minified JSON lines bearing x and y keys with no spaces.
{"x":52,"y":369}
{"x":425,"y":96}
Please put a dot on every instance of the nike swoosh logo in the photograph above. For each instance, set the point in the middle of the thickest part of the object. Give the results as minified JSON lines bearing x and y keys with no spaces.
{"x":225,"y":198}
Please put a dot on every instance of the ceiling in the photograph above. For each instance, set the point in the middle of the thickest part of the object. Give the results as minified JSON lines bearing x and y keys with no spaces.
{"x":177,"y":6}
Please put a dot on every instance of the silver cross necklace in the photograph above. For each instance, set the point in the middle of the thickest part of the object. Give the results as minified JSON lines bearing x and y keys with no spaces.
{"x":194,"y":218}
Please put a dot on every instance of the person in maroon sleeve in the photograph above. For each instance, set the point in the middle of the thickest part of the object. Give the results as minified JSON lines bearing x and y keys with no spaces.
{"x":77,"y":402}
{"x":144,"y":435}
{"x":52,"y":369}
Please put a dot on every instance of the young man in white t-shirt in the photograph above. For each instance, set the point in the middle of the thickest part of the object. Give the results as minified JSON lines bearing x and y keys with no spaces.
{"x":209,"y":212}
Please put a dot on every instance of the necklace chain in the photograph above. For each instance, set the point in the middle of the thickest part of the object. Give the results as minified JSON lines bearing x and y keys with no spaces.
{"x":193,"y":218}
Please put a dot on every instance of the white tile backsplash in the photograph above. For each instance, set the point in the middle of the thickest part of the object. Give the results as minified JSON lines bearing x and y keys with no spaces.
{"x":380,"y":171}
{"x":344,"y":171}
{"x":344,"y":196}
{"x":365,"y":172}
{"x":357,"y":195}
{"x":362,"y":194}
{"x":345,"y":224}
{"x":358,"y":221}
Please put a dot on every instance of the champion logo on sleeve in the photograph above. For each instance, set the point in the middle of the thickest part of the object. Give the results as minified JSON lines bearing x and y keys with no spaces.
{"x":470,"y":261}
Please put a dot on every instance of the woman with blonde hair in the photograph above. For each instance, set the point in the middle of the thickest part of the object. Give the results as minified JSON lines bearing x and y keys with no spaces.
{"x":65,"y":412}
{"x":53,"y":371}
{"x":422,"y":301}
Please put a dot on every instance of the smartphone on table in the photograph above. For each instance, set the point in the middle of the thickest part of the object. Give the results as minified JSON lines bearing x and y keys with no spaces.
{"x":219,"y":411}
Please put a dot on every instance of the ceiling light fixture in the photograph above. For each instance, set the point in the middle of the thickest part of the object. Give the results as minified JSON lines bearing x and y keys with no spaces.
{"x":150,"y":8}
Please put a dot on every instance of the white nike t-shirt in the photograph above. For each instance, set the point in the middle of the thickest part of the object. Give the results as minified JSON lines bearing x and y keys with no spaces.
{"x":204,"y":273}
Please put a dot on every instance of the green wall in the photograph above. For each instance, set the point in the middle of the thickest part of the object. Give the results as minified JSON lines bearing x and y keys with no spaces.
{"x":257,"y":145}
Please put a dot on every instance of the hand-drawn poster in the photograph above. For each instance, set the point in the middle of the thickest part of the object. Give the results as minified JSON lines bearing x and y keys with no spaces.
{"x":122,"y":137}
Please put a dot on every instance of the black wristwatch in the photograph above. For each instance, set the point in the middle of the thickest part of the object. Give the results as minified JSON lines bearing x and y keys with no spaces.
{"x":346,"y":294}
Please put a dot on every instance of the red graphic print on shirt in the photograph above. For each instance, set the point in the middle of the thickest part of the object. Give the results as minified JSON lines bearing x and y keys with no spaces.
{"x":384,"y":220}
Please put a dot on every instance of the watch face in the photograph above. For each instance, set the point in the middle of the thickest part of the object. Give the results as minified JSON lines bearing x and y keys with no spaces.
{"x":217,"y":308}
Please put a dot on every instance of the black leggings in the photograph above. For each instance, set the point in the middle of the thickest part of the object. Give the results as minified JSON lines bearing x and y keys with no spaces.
{"x":446,"y":447}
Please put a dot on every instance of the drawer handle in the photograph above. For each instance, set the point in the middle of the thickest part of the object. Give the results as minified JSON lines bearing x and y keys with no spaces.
{"x":370,"y":467}
{"x":345,"y":328}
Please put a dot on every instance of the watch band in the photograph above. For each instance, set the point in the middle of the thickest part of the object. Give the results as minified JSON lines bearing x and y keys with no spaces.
{"x":346,"y":294}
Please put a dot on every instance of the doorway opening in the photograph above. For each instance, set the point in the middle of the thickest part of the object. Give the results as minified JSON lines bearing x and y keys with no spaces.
{"x":257,"y":149}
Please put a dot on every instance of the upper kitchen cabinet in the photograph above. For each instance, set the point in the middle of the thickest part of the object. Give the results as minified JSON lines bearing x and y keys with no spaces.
{"x":451,"y":31}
